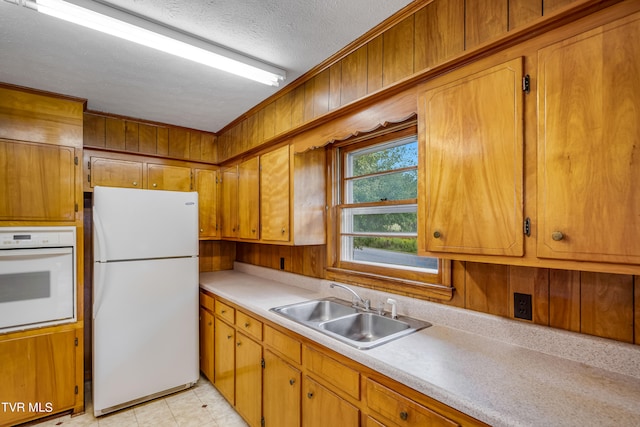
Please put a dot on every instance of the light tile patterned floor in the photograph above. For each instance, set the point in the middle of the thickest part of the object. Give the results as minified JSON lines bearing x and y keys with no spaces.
{"x":201,"y":405}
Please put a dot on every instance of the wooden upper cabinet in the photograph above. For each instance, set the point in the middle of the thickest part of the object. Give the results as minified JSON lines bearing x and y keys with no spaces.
{"x":207,"y":188}
{"x":248,"y":202}
{"x":471,"y":168}
{"x":274,"y":195}
{"x":115,"y":173}
{"x":229,"y":202}
{"x":588,"y":150}
{"x":37,"y":182}
{"x":165,"y":177}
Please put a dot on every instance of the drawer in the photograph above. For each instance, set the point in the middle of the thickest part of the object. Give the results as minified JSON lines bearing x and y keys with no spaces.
{"x":397,"y":410}
{"x":282,"y":343}
{"x":329,"y":369}
{"x":225,"y":311}
{"x":249,"y":325}
{"x":206,"y":301}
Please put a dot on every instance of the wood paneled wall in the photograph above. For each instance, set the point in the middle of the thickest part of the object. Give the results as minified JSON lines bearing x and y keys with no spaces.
{"x":139,"y":137}
{"x":427,"y":34}
{"x":604,"y":305}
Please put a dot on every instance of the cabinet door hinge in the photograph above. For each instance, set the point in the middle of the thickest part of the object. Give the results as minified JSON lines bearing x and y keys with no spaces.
{"x":89,"y":178}
{"x":526,"y":84}
{"x":262,"y":363}
{"x":75,"y":160}
{"x":527,"y":227}
{"x":76,"y":207}
{"x":262,"y":421}
{"x":75,"y":341}
{"x":76,"y":390}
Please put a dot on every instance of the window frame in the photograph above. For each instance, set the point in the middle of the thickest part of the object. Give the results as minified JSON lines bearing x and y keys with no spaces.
{"x":406,"y":281}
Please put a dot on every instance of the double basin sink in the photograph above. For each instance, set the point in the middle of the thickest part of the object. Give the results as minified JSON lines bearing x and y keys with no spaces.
{"x":351,"y":325}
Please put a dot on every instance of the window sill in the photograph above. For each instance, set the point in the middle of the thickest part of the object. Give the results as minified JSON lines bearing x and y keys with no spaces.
{"x":414,"y":289}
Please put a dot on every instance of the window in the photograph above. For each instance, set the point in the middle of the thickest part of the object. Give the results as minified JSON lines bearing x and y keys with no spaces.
{"x":375,"y":221}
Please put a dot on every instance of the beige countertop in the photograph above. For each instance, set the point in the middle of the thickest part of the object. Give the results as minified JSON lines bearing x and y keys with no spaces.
{"x":500,"y":371}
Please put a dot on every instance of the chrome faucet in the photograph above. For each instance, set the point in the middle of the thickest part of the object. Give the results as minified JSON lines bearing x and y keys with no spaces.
{"x":356,"y":298}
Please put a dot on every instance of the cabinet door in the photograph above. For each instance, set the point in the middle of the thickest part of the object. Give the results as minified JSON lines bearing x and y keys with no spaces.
{"x":39,"y":372}
{"x":207,"y":188}
{"x":321,"y":407}
{"x":274,"y":195}
{"x":206,"y":343}
{"x":281,"y":395}
{"x":473,"y":146}
{"x":249,"y":380}
{"x":164,"y":177}
{"x":37,"y":182}
{"x":229,"y":202}
{"x":248,"y":202}
{"x":115,"y":173}
{"x":588,"y":151}
{"x":224,"y":359}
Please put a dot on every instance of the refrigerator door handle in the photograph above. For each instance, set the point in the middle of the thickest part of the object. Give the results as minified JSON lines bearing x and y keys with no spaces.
{"x":100,"y":272}
{"x":99,"y":236}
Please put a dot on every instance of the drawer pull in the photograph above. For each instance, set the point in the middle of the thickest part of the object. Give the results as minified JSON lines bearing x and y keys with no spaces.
{"x":404,"y":415}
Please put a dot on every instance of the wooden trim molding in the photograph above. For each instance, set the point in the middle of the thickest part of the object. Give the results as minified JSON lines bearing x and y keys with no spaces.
{"x":393,"y":110}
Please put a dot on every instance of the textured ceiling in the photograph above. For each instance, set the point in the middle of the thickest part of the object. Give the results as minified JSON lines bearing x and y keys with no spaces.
{"x":123,"y":78}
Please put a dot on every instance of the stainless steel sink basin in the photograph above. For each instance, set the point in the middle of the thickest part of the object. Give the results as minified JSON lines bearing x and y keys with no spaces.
{"x":338,"y":319}
{"x":364,"y":327}
{"x":315,"y":310}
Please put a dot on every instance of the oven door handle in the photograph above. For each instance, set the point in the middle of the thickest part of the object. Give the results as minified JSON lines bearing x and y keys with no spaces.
{"x":19,"y":253}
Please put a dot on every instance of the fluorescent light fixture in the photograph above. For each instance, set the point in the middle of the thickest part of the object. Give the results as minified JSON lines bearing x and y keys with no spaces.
{"x":117,"y":23}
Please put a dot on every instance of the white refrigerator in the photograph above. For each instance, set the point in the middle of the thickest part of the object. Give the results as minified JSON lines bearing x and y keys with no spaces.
{"x":145,"y":295}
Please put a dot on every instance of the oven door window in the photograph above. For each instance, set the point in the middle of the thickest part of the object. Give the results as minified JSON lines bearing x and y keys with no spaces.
{"x":37,"y":287}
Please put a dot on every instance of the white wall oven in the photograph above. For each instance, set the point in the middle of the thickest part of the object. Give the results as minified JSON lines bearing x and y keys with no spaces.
{"x":37,"y":277}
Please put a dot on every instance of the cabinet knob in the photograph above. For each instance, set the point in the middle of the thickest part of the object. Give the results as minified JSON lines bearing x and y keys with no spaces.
{"x":229,"y":337}
{"x":135,"y":183}
{"x":557,"y":236}
{"x":210,"y":323}
{"x":437,"y":234}
{"x":283,"y":230}
{"x":155,"y":185}
{"x":404,"y":415}
{"x":292,"y":381}
{"x":223,"y":311}
{"x":246,"y":325}
{"x":309,"y":395}
{"x":202,"y":230}
{"x":238,"y":344}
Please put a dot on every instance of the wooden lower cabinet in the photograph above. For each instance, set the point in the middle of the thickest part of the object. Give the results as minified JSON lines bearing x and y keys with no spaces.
{"x":281,"y":392}
{"x":307,"y":385}
{"x":38,"y":376}
{"x":206,"y":343}
{"x":397,"y":410}
{"x":248,"y":379}
{"x":224,"y":359}
{"x":321,"y":407}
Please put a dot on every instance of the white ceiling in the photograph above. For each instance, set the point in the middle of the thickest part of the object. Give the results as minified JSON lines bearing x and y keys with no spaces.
{"x":123,"y":78}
